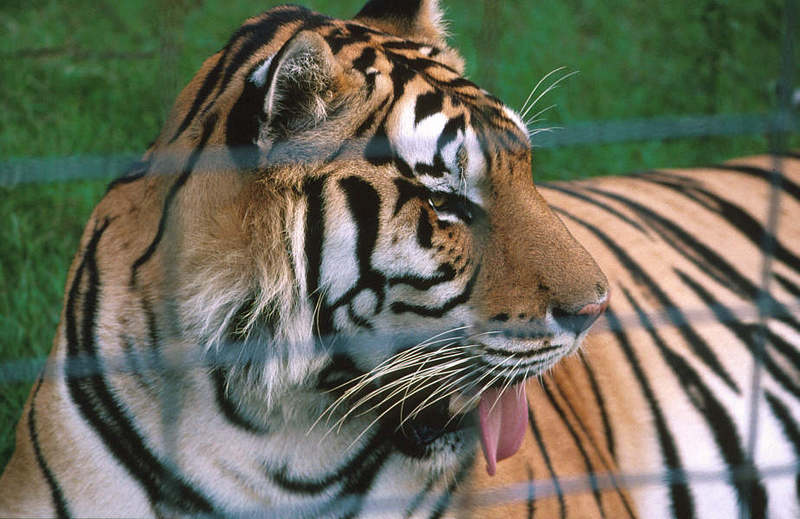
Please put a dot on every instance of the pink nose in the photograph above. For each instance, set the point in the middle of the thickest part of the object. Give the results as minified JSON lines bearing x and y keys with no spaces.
{"x":583,"y":319}
{"x":595,"y":308}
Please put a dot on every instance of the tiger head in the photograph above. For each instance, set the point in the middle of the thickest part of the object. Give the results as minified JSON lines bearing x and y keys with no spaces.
{"x":361,"y":219}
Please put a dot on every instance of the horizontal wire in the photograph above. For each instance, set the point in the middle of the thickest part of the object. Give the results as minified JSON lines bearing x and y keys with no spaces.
{"x":23,"y":170}
{"x":230,"y":354}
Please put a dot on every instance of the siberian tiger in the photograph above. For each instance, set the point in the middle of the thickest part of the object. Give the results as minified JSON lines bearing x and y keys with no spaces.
{"x":324,"y":289}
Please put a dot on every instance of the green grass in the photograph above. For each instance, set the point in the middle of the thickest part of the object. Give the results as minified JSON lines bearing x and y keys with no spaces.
{"x":96,"y":77}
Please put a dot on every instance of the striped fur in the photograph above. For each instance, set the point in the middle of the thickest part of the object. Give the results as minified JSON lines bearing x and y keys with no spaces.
{"x":290,"y":306}
{"x":663,"y":390}
{"x":293,"y":301}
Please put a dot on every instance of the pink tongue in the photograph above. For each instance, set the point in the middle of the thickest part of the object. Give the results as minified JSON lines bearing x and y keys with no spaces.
{"x":503,"y":420}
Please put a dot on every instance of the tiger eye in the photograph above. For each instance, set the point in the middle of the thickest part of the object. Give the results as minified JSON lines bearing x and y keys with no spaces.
{"x":438,"y":201}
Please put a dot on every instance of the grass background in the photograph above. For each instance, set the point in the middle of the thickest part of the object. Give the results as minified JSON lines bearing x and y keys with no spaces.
{"x":97,"y":77}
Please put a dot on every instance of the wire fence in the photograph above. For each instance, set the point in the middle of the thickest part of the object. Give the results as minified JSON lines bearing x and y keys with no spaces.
{"x":776,"y":125}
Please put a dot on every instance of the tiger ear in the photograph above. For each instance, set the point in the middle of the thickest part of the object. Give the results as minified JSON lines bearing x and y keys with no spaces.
{"x":301,"y":82}
{"x":412,"y":19}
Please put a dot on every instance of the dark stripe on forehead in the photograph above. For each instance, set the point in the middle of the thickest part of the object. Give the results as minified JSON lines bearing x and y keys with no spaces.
{"x":339,"y":38}
{"x":365,"y":60}
{"x":450,"y":132}
{"x":427,"y":105}
{"x":402,"y":10}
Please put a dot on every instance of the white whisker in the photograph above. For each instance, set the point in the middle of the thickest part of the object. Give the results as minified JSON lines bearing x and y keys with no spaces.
{"x":548,"y":90}
{"x":525,"y":106}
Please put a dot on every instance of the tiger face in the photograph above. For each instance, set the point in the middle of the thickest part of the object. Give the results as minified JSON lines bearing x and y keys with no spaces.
{"x":386,"y":247}
{"x":326,"y":280}
{"x":414,"y":243}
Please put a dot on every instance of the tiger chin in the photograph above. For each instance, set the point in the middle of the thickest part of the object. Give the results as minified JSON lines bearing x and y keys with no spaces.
{"x":318,"y":294}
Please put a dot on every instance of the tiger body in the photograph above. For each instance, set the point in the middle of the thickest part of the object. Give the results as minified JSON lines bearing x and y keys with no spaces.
{"x":664,"y":386}
{"x":332,"y":249}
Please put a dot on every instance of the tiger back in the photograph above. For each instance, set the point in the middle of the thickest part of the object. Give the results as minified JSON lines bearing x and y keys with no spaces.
{"x":656,"y":413}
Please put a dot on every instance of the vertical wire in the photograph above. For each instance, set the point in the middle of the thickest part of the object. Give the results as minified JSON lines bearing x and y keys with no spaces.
{"x":778,"y":141}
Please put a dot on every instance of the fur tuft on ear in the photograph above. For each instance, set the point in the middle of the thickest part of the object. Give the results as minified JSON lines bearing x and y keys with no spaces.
{"x":302,"y":80}
{"x":413,"y":19}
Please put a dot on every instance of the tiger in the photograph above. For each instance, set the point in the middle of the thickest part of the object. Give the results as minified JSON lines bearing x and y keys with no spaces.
{"x":330,"y":288}
{"x":702,"y":333}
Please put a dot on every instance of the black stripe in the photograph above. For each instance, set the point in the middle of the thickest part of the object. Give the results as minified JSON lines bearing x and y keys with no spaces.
{"x":243,"y":123}
{"x":463,"y":472}
{"x":446,"y":274}
{"x":399,"y":307}
{"x":200,"y":98}
{"x":227,"y":406}
{"x":56,"y":494}
{"x":424,"y":229}
{"x":786,"y":184}
{"x":208,"y":128}
{"x":590,"y":470}
{"x":378,"y":150}
{"x":450,"y":133}
{"x":694,"y":340}
{"x":601,"y":405}
{"x":791,"y":429}
{"x":103,"y":411}
{"x":787,"y":285}
{"x":136,"y":171}
{"x":706,"y":259}
{"x":591,"y":441}
{"x":531,"y":492}
{"x":428,"y":104}
{"x":314,"y":235}
{"x":356,"y":319}
{"x":688,"y":247}
{"x":581,"y":196}
{"x":363,"y":202}
{"x":397,"y":11}
{"x":680,"y":495}
{"x":743,"y":474}
{"x":418,"y":499}
{"x":359,"y":480}
{"x":738,"y":218}
{"x":746,"y":333}
{"x":365,"y":60}
{"x":537,"y":434}
{"x":319,"y":484}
